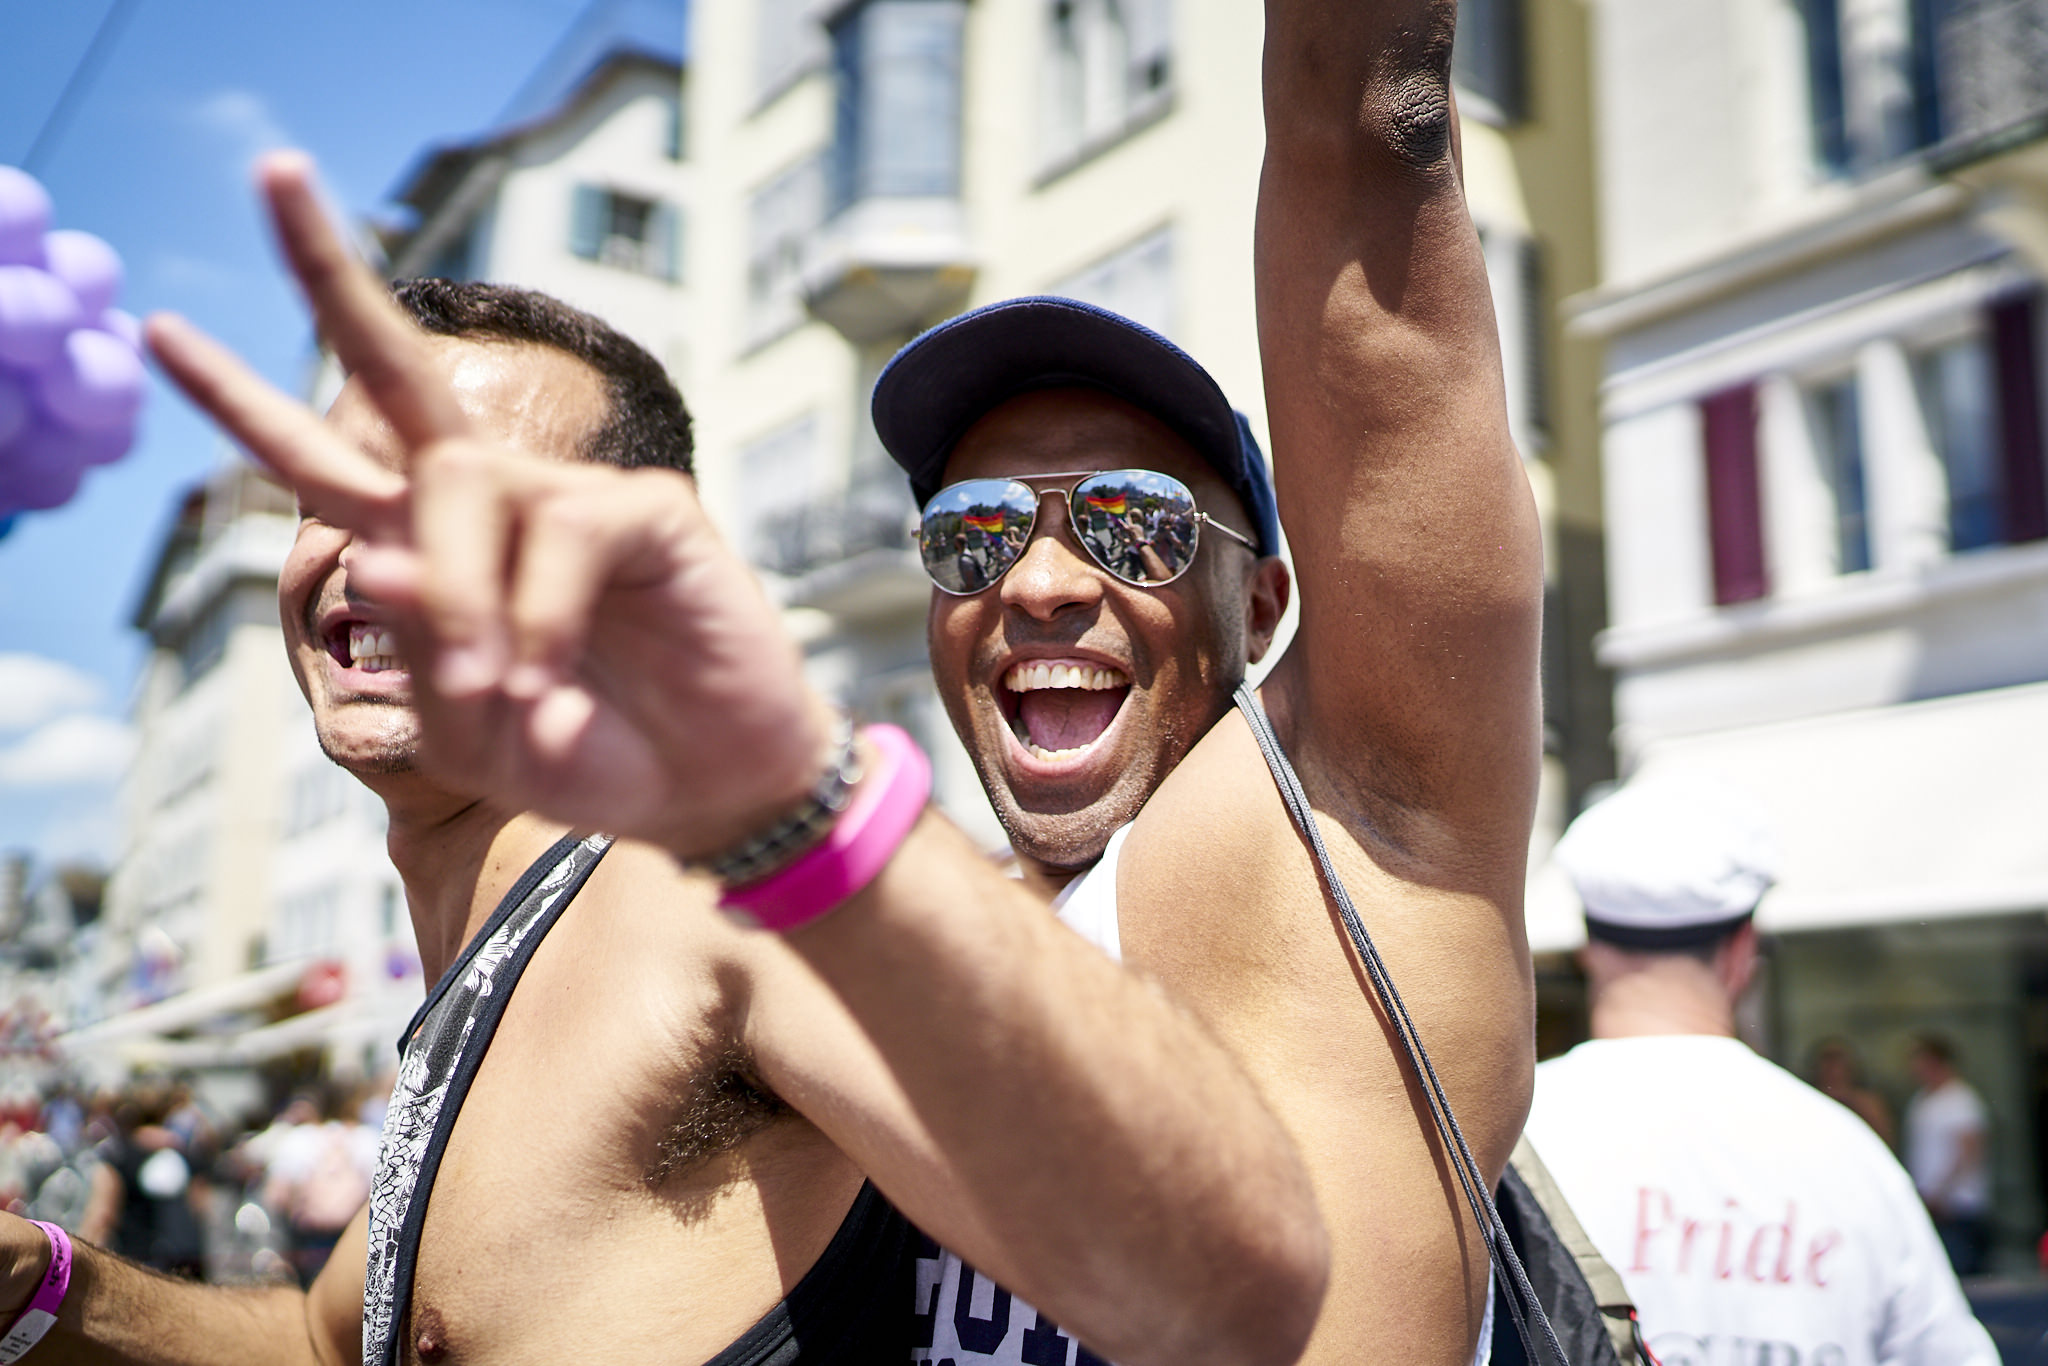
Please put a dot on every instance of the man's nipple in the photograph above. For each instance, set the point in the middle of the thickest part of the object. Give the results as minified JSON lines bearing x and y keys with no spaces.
{"x":431,"y":1342}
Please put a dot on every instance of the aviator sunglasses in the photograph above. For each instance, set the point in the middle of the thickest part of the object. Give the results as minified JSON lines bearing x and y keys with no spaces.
{"x":1140,"y":525}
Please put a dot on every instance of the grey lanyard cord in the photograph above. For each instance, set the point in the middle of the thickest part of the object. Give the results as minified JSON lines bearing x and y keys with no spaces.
{"x":1519,"y":1296}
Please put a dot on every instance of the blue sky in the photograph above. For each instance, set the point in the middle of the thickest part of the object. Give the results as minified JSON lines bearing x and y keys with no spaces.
{"x":155,"y":161}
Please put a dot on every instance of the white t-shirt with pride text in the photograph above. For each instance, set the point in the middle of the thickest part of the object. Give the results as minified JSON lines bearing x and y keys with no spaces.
{"x":1753,"y":1220}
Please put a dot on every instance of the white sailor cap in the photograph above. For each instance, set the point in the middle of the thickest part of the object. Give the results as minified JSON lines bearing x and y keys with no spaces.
{"x":1669,"y":862}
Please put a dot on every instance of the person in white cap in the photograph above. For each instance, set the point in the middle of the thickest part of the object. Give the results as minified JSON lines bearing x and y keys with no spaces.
{"x":1752,"y":1218}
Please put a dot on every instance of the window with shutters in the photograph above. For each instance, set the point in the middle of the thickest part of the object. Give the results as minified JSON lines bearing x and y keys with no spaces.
{"x":628,"y":231}
{"x":1107,"y":71}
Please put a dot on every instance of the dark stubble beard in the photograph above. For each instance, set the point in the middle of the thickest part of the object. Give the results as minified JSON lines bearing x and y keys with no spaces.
{"x":390,"y":755}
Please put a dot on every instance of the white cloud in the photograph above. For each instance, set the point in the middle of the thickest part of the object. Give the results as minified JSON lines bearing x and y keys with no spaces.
{"x":33,"y":689}
{"x":243,"y":118}
{"x":176,"y":271}
{"x":71,"y":751}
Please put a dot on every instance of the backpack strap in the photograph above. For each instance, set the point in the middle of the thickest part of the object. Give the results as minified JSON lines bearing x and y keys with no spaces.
{"x":1538,"y":1337}
{"x":1616,"y":1309}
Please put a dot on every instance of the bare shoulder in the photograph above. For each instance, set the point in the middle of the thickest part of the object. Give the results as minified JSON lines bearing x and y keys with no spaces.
{"x":1218,"y":894}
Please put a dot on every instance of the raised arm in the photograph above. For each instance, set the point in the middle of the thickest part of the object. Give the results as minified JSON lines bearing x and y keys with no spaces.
{"x":1412,"y":679}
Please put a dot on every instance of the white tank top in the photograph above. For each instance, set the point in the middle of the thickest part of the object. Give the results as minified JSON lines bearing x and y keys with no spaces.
{"x":1087,"y":905}
{"x":972,"y":1318}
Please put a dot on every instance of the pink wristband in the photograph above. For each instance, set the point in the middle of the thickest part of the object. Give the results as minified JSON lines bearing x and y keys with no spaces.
{"x":885,"y":806}
{"x":31,"y":1323}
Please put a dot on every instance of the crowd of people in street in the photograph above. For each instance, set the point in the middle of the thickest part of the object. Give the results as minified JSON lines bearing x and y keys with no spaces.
{"x":154,"y":1172}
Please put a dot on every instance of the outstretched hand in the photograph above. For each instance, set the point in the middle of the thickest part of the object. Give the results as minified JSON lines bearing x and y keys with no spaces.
{"x":581,"y":642}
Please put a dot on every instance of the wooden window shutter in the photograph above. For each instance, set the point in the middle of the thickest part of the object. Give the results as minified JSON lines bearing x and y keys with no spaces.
{"x":1735,"y":520}
{"x":589,"y":219}
{"x":2017,"y":365}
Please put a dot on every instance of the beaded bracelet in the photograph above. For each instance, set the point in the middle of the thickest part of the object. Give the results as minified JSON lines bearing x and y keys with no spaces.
{"x":31,"y":1323}
{"x":859,"y":844}
{"x":785,"y":842}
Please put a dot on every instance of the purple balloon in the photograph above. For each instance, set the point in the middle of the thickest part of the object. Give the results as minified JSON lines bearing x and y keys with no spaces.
{"x":15,"y":406}
{"x":126,"y":326}
{"x":105,"y":446}
{"x":95,"y":384}
{"x":36,"y":311}
{"x":88,"y":267}
{"x":24,"y":218}
{"x":40,"y":469}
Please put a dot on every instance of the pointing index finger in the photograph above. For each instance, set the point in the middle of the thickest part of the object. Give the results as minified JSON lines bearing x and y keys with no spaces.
{"x":375,"y":342}
{"x":349,"y":488}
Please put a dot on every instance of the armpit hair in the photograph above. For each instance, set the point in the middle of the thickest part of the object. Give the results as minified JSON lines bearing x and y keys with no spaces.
{"x":728,"y":1104}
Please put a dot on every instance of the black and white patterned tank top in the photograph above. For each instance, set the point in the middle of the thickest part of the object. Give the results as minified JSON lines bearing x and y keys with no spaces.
{"x":438,"y":1059}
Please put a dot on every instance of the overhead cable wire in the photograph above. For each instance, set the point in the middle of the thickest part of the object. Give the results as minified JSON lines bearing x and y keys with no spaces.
{"x":81,"y":79}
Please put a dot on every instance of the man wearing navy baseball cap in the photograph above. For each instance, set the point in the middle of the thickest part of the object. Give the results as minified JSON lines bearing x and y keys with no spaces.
{"x":1103,"y":536}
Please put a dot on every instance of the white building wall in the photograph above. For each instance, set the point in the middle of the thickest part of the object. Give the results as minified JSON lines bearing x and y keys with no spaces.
{"x":1656,"y":518}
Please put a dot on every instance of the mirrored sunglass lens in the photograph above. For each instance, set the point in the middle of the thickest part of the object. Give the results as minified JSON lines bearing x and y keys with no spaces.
{"x":970,"y":533}
{"x":1138,"y":524}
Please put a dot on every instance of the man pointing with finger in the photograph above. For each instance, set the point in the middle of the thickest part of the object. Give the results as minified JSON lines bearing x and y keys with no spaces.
{"x":624,"y":1125}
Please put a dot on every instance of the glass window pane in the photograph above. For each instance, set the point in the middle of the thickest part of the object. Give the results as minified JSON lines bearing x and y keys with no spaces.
{"x":1486,"y":59}
{"x":1957,"y":401}
{"x":899,"y":114}
{"x":1838,"y":442}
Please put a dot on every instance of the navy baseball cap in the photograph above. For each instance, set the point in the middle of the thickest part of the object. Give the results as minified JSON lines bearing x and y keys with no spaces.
{"x":943,"y":381}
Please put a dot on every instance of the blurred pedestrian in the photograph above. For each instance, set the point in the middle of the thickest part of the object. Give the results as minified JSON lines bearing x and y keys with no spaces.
{"x":63,"y":1117}
{"x":141,"y":1201}
{"x":1948,"y":1152}
{"x":1839,"y":1077}
{"x":317,"y":1180}
{"x":1746,"y":1213}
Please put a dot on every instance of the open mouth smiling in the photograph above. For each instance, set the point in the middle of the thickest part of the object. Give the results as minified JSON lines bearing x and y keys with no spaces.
{"x":1059,"y":709}
{"x":364,"y":647}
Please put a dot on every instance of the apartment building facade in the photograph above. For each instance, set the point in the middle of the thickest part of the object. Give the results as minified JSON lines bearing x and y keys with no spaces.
{"x":1823,"y":465}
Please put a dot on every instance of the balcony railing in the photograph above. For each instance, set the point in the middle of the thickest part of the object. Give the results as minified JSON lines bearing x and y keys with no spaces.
{"x":871,"y":516}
